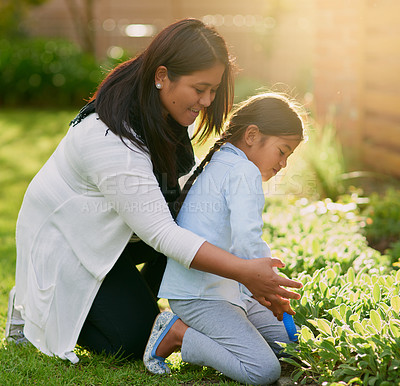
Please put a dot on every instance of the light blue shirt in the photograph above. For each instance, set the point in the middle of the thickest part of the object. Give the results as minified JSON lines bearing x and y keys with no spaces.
{"x":225,"y":207}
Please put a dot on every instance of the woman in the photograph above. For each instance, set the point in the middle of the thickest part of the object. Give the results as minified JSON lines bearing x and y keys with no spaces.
{"x":109,"y":182}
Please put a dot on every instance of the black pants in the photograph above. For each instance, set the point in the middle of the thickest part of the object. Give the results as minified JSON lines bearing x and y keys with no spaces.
{"x":122,"y":314}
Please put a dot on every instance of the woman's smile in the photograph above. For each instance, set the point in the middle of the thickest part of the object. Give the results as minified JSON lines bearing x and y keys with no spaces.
{"x":187,"y":96}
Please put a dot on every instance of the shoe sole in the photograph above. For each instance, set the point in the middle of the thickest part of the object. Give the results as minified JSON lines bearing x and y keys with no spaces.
{"x":11,"y":298}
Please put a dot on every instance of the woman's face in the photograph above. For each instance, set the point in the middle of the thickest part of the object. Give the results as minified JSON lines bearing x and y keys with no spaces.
{"x":185,"y":97}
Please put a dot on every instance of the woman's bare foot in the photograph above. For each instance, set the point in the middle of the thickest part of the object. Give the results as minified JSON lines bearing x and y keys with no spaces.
{"x":172,"y":340}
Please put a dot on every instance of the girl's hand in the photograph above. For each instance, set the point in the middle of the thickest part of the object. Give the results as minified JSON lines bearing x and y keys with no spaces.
{"x":277,"y":305}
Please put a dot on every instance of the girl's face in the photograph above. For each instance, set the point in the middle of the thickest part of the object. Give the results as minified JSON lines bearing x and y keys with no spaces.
{"x":185,"y":97}
{"x":270,"y":154}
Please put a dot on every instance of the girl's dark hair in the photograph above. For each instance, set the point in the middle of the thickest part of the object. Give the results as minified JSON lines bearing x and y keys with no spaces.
{"x":273,"y":114}
{"x":128,"y":102}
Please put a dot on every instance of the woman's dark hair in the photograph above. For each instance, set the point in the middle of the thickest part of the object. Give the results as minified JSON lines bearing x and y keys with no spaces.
{"x":273,"y":114}
{"x":128,"y":102}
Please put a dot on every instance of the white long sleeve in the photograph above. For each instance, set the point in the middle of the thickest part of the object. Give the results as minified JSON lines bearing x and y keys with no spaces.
{"x":77,"y":216}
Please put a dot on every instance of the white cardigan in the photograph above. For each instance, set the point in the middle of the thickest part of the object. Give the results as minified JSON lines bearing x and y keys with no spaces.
{"x":77,"y":216}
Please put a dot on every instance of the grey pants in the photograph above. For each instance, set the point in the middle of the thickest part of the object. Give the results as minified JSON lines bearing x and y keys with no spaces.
{"x":242,"y":345}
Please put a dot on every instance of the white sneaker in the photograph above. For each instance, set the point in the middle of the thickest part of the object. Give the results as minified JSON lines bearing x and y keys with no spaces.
{"x":15,"y":323}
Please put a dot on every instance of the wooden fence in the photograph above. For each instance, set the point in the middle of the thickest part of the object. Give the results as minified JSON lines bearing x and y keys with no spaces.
{"x":357,"y":78}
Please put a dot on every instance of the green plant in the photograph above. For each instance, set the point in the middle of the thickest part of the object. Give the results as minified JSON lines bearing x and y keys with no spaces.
{"x":382,"y":222}
{"x":308,"y":236}
{"x":12,"y":13}
{"x":394,"y":253}
{"x":325,"y":159}
{"x":40,"y":72}
{"x":350,"y":328}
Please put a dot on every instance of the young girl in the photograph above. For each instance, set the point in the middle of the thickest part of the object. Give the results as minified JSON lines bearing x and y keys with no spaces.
{"x":229,"y":329}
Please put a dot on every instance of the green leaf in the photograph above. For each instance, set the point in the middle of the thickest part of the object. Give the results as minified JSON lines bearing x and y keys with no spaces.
{"x":342,"y":310}
{"x":374,"y":278}
{"x":325,"y":344}
{"x":291,"y":361}
{"x":358,"y":327}
{"x":313,"y":322}
{"x":389,"y":281}
{"x":306,"y":333}
{"x":356,"y":381}
{"x":330,"y":274}
{"x":384,"y":308}
{"x":394,"y":328}
{"x":296,"y":376}
{"x":323,"y":287}
{"x":398,"y":276}
{"x":371,"y":328}
{"x":376,"y":293}
{"x":316,"y":247}
{"x":376,"y":320}
{"x":366,"y":278}
{"x":395,"y":303}
{"x":324,"y":326}
{"x":337,"y":269}
{"x":349,"y":370}
{"x":335,"y":313}
{"x":354,"y":318}
{"x":351,"y":275}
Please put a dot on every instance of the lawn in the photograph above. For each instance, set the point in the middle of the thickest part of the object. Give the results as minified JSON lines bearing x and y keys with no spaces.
{"x":349,"y":311}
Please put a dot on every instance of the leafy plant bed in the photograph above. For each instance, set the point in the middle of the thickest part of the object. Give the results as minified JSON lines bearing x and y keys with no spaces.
{"x":310,"y":235}
{"x":349,"y":310}
{"x":382,"y":223}
{"x":350,"y":328}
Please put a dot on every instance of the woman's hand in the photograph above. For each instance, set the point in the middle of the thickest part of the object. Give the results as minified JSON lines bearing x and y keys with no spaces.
{"x":268,"y":290}
{"x":262,"y":281}
{"x":257,"y":275}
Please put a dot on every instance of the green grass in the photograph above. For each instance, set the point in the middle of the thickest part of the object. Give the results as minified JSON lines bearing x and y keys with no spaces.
{"x":27,"y":139}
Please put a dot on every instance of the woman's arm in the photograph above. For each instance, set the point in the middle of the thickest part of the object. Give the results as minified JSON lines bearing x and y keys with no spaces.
{"x":257,"y":275}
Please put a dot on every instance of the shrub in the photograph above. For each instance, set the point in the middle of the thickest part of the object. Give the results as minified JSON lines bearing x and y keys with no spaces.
{"x":382,"y":223}
{"x":325,"y":159}
{"x":39,"y":72}
{"x":394,"y":253}
{"x":354,"y":333}
{"x":308,"y":236}
{"x":350,"y":304}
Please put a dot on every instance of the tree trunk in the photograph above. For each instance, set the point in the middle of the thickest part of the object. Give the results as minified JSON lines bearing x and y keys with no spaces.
{"x":82,"y":16}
